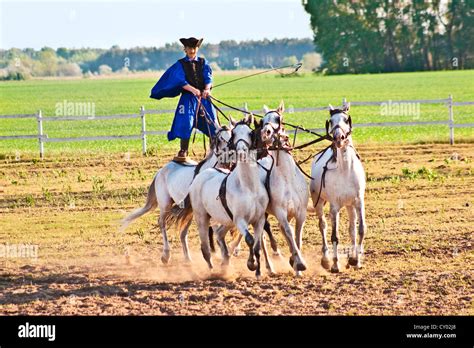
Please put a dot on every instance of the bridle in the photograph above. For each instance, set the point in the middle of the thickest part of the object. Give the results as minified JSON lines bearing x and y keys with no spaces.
{"x":349,"y":122}
{"x":251,"y":146}
{"x":279,"y":145}
{"x":217,"y":139}
{"x":276,"y":130}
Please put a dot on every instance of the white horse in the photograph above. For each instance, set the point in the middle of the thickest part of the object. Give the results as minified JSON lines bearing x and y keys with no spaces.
{"x":288,"y":188}
{"x":171,"y":184}
{"x":339,"y":178}
{"x":230,"y":198}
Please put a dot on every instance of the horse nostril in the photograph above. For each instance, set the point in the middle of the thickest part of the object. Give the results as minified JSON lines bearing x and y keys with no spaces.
{"x":343,"y":137}
{"x":268,"y":132}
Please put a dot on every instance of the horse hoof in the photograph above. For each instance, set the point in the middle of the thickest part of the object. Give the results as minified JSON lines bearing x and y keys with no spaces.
{"x":300,"y":266}
{"x":165,"y":259}
{"x":353,"y":261}
{"x":334,"y":269}
{"x":276,"y":254}
{"x":292,"y":261}
{"x":236,"y":252}
{"x":298,"y":274}
{"x":325,"y":263}
{"x":251,"y":266}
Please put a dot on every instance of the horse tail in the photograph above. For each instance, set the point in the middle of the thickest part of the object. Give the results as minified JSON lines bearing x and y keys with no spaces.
{"x":180,"y":213}
{"x":151,"y":204}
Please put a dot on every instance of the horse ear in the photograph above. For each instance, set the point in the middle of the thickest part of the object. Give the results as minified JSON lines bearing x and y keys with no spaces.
{"x":281,"y":107}
{"x":331,"y":107}
{"x":232,"y":122}
{"x":249,"y":119}
{"x":265,"y":109}
{"x":246,"y":108}
{"x":346,"y":107}
{"x":256,"y":124}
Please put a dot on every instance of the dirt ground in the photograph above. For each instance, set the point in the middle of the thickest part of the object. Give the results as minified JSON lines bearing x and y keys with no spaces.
{"x":418,"y":250}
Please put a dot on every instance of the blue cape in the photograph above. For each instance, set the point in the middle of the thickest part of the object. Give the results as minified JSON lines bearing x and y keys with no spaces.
{"x":170,"y":85}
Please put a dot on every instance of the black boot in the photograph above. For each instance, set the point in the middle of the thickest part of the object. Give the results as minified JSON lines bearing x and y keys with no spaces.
{"x":183,"y":152}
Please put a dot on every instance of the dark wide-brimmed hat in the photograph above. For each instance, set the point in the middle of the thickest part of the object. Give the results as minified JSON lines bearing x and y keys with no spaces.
{"x":191,"y":42}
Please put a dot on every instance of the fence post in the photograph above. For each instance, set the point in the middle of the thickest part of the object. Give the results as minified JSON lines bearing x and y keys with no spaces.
{"x":451,"y":120}
{"x":39,"y":119}
{"x":142,"y":115}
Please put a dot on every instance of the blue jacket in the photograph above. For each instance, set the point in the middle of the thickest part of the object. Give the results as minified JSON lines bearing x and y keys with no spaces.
{"x":170,"y":85}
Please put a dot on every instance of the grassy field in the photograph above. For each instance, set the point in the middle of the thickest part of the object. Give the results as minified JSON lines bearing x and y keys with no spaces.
{"x":124,"y":96}
{"x":418,"y":248}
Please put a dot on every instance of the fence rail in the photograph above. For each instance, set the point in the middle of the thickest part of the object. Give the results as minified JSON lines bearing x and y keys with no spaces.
{"x":43,"y":138}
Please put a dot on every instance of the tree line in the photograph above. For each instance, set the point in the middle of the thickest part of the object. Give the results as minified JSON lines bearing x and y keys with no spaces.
{"x":368,"y":36}
{"x":229,"y":55}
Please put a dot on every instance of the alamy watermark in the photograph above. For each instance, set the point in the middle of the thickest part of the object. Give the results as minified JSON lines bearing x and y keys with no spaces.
{"x":69,"y":108}
{"x":392,"y":108}
{"x":240,"y":156}
{"x":13,"y":251}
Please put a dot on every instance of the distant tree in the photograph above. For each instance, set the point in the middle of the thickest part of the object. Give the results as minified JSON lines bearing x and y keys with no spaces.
{"x":292,"y":60}
{"x":105,"y":70}
{"x":311,"y":61}
{"x":69,"y":69}
{"x":374,"y":36}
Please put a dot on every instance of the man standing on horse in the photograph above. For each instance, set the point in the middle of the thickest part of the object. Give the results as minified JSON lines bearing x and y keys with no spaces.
{"x":191,"y":77}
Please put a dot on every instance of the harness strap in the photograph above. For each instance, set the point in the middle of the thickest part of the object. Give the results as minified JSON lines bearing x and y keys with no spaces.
{"x":302,"y":171}
{"x":267,"y":178}
{"x":218,"y":109}
{"x":325,"y":168}
{"x":223,"y":198}
{"x":198,"y":168}
{"x":260,"y":116}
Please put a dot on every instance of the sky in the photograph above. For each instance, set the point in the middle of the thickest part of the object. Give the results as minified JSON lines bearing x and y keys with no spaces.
{"x":127,"y":23}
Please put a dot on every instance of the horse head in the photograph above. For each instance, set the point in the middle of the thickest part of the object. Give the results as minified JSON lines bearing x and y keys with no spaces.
{"x":220,"y":140}
{"x":339,"y":126}
{"x":243,"y":138}
{"x":272,"y":124}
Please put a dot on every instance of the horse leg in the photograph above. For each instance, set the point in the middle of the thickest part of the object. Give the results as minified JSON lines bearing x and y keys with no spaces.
{"x":184,"y":241}
{"x":165,"y":256}
{"x":268,"y":262}
{"x":258,"y":228}
{"x":360,"y":208}
{"x":242,"y":227}
{"x":221,"y":231}
{"x":211,"y":239}
{"x":273,"y":241}
{"x":235,"y":245}
{"x":353,"y":259}
{"x":202,"y":221}
{"x":299,"y":225}
{"x":296,"y":260}
{"x":334,"y":211}
{"x":323,"y":228}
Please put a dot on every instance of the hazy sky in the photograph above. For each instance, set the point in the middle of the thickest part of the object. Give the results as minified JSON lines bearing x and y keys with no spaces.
{"x":130,"y":23}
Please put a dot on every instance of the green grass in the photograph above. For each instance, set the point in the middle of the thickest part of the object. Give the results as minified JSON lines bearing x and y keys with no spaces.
{"x":123,"y":96}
